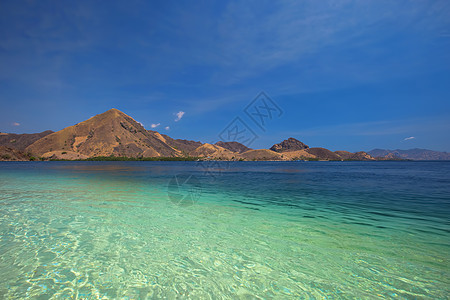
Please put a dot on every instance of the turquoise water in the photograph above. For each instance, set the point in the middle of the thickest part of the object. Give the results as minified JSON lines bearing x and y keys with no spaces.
{"x":246,"y":230}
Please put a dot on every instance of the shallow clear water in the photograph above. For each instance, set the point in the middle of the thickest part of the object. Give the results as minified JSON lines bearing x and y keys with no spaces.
{"x":100,"y":230}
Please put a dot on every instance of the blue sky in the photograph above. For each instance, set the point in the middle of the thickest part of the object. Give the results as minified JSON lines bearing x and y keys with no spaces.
{"x":348,"y":75}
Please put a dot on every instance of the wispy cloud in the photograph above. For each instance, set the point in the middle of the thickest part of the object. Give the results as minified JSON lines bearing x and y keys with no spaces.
{"x":409,"y":138}
{"x":167,"y":128}
{"x":256,"y":39}
{"x":155,"y":125}
{"x":16,"y":124}
{"x":179,"y":115}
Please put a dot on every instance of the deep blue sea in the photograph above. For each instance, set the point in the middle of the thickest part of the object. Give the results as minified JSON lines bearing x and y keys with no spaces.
{"x":225,"y":230}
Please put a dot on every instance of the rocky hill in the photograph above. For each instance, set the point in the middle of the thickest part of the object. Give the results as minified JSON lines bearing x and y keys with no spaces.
{"x":298,"y":155}
{"x":290,"y":144}
{"x":185,"y":146}
{"x":10,"y":154}
{"x":213,"y":151}
{"x":323,"y":154}
{"x":233,"y":146}
{"x":21,"y":141}
{"x":110,"y":133}
{"x":413,"y":154}
{"x":114,"y":133}
{"x":361,"y":155}
{"x":261,"y":154}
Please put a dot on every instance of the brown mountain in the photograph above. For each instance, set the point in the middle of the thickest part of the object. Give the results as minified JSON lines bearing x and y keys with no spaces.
{"x":185,"y":146}
{"x":345,"y":155}
{"x":110,"y":133}
{"x":414,"y":154}
{"x":21,"y":141}
{"x":261,"y":154}
{"x":213,"y":151}
{"x":389,"y":156}
{"x":290,"y":144}
{"x":233,"y":146}
{"x":323,"y":154}
{"x":299,"y":154}
{"x":114,"y":133}
{"x":361,"y":155}
{"x":10,"y":154}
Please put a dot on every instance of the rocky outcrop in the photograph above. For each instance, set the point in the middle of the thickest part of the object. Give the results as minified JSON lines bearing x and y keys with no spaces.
{"x":233,"y":146}
{"x":361,"y":155}
{"x":111,"y":133}
{"x":261,"y":154}
{"x":323,"y":154}
{"x":413,"y":154}
{"x":213,"y":151}
{"x":290,"y":144}
{"x":10,"y":154}
{"x":185,"y":146}
{"x":114,"y":133}
{"x":298,"y":155}
{"x":21,"y":141}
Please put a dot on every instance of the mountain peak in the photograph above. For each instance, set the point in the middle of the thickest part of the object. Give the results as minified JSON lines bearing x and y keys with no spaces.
{"x":114,"y":112}
{"x":111,"y":115}
{"x":290,"y":144}
{"x":109,"y":133}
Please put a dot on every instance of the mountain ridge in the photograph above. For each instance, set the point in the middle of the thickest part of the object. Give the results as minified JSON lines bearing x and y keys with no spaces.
{"x":290,"y":144}
{"x":233,"y":146}
{"x":115,"y":134}
{"x":412,"y":154}
{"x":112,"y":133}
{"x":21,"y":141}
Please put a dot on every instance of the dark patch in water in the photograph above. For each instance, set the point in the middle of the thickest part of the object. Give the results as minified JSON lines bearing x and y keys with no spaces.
{"x":248,"y":203}
{"x":361,"y":223}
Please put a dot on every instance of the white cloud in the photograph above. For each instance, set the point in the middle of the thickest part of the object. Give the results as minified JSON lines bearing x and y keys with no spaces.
{"x":409,"y":138}
{"x":179,"y":115}
{"x":16,"y":124}
{"x":167,"y":128}
{"x":155,"y":125}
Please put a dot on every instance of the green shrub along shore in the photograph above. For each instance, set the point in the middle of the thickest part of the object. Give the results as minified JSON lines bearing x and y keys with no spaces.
{"x":123,"y":158}
{"x":186,"y":158}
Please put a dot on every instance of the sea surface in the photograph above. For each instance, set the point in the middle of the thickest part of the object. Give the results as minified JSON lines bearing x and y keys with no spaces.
{"x":219,"y":230}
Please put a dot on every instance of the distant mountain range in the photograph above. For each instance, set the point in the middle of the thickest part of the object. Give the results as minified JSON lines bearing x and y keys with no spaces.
{"x":115,"y":134}
{"x":412,"y":154}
